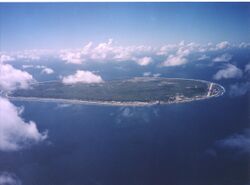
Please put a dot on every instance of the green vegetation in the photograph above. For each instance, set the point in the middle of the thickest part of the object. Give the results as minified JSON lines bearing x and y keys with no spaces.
{"x":140,"y":89}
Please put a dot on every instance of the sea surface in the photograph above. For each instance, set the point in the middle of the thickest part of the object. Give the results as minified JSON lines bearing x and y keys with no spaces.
{"x":173,"y":144}
{"x":170,"y":144}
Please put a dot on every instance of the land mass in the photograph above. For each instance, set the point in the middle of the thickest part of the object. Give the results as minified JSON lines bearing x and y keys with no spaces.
{"x":136,"y":91}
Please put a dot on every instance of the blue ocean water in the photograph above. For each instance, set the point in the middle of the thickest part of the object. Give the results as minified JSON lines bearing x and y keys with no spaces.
{"x":172,"y":144}
{"x":153,"y":145}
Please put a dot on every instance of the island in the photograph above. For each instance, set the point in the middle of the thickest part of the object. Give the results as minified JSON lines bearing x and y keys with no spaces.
{"x":137,"y":91}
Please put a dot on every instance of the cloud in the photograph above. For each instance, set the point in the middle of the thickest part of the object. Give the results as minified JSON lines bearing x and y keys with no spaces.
{"x":5,"y":58}
{"x":239,"y":89}
{"x":11,"y":78}
{"x":203,"y":57}
{"x":244,"y":45}
{"x":147,"y":74}
{"x":144,"y":61}
{"x":230,"y":71}
{"x":166,"y":49}
{"x":27,"y":66}
{"x":15,"y":133}
{"x":88,"y":52}
{"x":150,"y":74}
{"x":82,"y":77}
{"x":223,"y":58}
{"x":156,"y":75}
{"x":9,"y":179}
{"x":239,"y":142}
{"x":26,"y":55}
{"x":199,"y":48}
{"x":106,"y":51}
{"x":247,"y":68}
{"x":127,"y":112}
{"x":174,"y":60}
{"x":126,"y":116}
{"x":63,"y":105}
{"x":223,"y":45}
{"x":109,"y":51}
{"x":47,"y":70}
{"x":179,"y":57}
{"x":34,"y":54}
{"x":71,"y":57}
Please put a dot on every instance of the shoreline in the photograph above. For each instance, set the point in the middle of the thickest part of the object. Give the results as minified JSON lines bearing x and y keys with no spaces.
{"x":118,"y":103}
{"x":110,"y":103}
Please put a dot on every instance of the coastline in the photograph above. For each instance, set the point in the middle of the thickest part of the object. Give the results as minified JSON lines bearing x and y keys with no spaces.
{"x":127,"y":103}
{"x":110,"y":103}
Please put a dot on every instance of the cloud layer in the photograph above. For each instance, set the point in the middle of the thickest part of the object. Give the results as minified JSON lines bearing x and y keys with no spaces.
{"x":26,"y":55}
{"x":175,"y":54}
{"x":82,"y":77}
{"x":15,"y":133}
{"x":103,"y":52}
{"x":170,"y":54}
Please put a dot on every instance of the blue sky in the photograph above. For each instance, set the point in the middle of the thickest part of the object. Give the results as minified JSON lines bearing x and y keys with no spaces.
{"x":71,"y":25}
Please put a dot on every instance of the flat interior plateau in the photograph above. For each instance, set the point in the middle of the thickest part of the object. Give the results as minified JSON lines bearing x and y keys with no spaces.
{"x":137,"y":89}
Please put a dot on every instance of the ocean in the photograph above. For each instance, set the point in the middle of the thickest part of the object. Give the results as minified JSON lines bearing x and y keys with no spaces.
{"x":176,"y":144}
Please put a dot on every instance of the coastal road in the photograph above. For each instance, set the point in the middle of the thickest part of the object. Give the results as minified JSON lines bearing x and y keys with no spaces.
{"x":209,"y":89}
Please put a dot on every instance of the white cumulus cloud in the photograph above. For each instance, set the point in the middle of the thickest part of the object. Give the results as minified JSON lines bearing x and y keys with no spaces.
{"x":82,"y":77}
{"x":15,"y":133}
{"x":12,"y":78}
{"x":106,"y":51}
{"x":223,"y":58}
{"x":74,"y":57}
{"x":174,"y":60}
{"x":180,"y":56}
{"x":223,"y":45}
{"x":144,"y":61}
{"x":230,"y":71}
{"x":47,"y":70}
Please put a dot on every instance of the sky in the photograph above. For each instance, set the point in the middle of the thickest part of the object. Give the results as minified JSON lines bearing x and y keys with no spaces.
{"x":71,"y":25}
